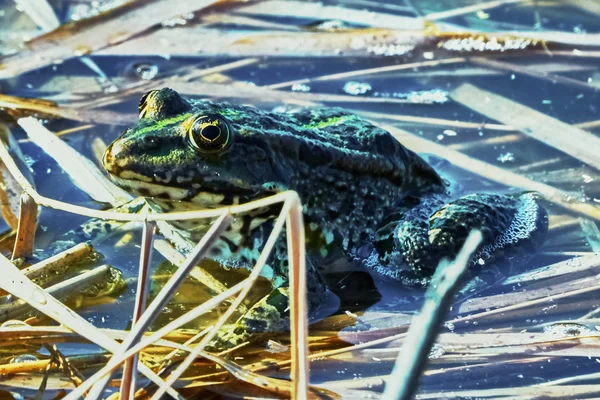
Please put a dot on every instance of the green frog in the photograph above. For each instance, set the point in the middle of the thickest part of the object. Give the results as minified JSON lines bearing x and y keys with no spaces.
{"x":363,"y":193}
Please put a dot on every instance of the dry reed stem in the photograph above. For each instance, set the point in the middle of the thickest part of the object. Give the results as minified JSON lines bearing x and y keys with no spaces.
{"x":520,"y":392}
{"x":18,"y":284}
{"x":162,"y":298}
{"x":20,"y":107}
{"x":439,"y":122}
{"x":186,"y":75}
{"x":491,"y":172}
{"x":298,"y":306}
{"x":128,"y":380}
{"x":533,"y":72}
{"x":214,"y":42}
{"x":81,"y":170}
{"x":297,"y":301}
{"x":26,"y":228}
{"x":525,"y":304}
{"x":591,"y":6}
{"x":368,"y":71}
{"x":64,"y":291}
{"x":571,"y":140}
{"x":198,"y":273}
{"x":116,"y":360}
{"x":59,"y":263}
{"x":469,"y":9}
{"x":243,"y":286}
{"x":320,"y":12}
{"x":91,"y":34}
{"x":517,"y":137}
{"x":40,"y":12}
{"x":10,"y":204}
{"x":567,"y":267}
{"x":411,"y":361}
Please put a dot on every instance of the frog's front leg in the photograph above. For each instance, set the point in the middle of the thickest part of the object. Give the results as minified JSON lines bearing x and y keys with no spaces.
{"x":410,"y":248}
{"x":271,"y":313}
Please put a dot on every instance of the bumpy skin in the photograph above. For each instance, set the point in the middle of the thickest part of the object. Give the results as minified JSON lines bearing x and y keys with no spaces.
{"x":362,"y":190}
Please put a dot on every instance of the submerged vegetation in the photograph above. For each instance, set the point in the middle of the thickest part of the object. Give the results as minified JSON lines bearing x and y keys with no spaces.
{"x":499,"y":95}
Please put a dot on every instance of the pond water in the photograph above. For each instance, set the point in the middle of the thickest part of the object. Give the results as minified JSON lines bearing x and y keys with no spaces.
{"x":480,"y":356}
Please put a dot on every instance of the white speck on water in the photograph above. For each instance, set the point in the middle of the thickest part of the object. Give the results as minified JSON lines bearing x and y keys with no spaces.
{"x":180,"y":20}
{"x":546,"y":101}
{"x":449,"y":132}
{"x":428,"y":96}
{"x":512,"y":77}
{"x":300,"y":87}
{"x":440,"y":137}
{"x":587,"y":178}
{"x":482,"y":14}
{"x":506,"y":157}
{"x":146,"y":71}
{"x":111,"y":88}
{"x":356,"y":88}
{"x":389,"y":49}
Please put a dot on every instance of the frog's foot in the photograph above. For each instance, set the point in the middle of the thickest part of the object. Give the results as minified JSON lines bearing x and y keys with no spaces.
{"x":270,"y":314}
{"x":512,"y":227}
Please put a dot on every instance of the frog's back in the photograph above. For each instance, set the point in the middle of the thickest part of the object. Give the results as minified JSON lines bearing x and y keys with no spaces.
{"x":347,"y":171}
{"x":331,"y":138}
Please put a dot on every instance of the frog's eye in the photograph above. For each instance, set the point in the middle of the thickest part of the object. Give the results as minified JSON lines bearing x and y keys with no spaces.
{"x":146,"y":98}
{"x":209,"y":133}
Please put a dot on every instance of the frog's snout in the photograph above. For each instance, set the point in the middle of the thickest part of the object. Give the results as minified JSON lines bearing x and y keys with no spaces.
{"x":114,"y":157}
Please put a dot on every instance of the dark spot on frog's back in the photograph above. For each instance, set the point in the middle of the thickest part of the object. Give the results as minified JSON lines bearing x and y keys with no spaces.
{"x":315,"y":154}
{"x":164,"y":195}
{"x":144,"y":192}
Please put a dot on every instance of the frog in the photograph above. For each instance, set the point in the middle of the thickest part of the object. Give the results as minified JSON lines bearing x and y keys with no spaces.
{"x":364,"y":194}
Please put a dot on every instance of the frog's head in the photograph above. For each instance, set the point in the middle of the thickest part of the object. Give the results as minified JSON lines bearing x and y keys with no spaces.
{"x":187,"y":151}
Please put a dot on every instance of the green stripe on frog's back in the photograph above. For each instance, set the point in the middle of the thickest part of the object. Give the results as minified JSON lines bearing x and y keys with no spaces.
{"x":329,"y":122}
{"x":163,"y":124}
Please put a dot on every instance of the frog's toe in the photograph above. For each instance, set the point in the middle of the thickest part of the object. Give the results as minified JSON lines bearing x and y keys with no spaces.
{"x":512,"y":226}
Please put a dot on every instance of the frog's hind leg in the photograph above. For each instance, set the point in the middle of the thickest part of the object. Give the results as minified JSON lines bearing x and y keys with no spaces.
{"x":410,"y":249}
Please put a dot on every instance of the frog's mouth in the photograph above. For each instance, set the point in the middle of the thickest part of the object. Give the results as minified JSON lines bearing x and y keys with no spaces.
{"x":195,"y":193}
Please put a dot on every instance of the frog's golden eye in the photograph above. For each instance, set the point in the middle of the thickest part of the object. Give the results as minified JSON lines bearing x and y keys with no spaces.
{"x":146,"y":98}
{"x":210,"y":133}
